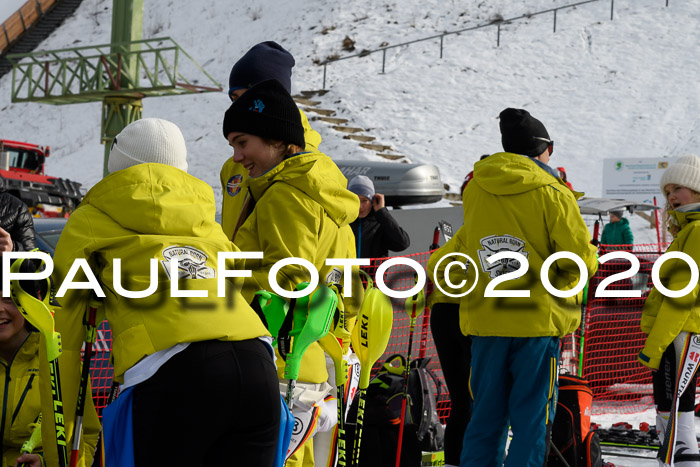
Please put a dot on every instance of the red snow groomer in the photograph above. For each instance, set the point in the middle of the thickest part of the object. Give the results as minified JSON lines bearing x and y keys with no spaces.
{"x":22,"y":174}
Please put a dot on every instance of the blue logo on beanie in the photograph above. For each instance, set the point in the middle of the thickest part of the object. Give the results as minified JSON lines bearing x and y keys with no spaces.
{"x":258,"y":106}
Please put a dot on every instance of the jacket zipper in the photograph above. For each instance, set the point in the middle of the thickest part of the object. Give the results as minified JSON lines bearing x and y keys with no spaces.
{"x":21,"y":399}
{"x":4,"y":397}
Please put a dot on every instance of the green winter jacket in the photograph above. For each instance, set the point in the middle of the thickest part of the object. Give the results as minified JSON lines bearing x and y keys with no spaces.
{"x":144,"y":212}
{"x":617,"y":233}
{"x":664,"y":317}
{"x":21,"y":402}
{"x":518,"y":204}
{"x":302,"y":209}
{"x":233,"y":174}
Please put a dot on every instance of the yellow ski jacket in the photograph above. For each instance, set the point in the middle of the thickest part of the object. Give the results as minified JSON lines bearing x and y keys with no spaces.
{"x":149,"y":211}
{"x":665,"y":317}
{"x":21,"y":402}
{"x":302,"y":209}
{"x":517,"y":204}
{"x":233,"y":174}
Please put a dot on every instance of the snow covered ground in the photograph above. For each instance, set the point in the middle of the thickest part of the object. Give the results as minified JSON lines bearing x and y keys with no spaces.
{"x":621,"y":88}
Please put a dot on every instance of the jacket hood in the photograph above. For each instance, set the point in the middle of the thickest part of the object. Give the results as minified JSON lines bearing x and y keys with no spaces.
{"x":506,"y":173}
{"x":684,"y":218}
{"x":317,"y":176}
{"x":156,"y":199}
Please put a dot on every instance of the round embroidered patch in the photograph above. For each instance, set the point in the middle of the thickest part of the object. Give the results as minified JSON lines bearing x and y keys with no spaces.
{"x":233,"y":186}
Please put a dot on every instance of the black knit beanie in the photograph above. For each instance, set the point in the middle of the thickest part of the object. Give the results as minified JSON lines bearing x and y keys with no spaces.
{"x":521,"y":133}
{"x":266,"y":110}
{"x":266,"y":60}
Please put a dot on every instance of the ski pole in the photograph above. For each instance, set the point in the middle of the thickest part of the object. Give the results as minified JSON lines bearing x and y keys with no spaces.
{"x":34,"y":300}
{"x":98,"y":460}
{"x":370,"y":337}
{"x":90,"y":336}
{"x":656,"y":223}
{"x":583,"y":329}
{"x":596,"y":229}
{"x":310,"y":320}
{"x":414,"y":306}
{"x":436,"y":239}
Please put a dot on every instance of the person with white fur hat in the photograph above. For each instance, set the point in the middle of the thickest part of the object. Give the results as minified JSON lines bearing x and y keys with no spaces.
{"x":667,"y":320}
{"x":197,"y":372}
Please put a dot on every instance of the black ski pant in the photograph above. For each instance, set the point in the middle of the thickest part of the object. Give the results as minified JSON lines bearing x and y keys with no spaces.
{"x":215,"y":403}
{"x":454,"y":351}
{"x":664,"y":384}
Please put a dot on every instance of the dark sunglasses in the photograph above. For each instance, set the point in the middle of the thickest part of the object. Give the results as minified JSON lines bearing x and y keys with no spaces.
{"x":550,"y":144}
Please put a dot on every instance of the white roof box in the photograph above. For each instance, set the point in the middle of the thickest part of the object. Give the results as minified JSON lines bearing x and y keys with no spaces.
{"x":601,"y":206}
{"x":401,"y":184}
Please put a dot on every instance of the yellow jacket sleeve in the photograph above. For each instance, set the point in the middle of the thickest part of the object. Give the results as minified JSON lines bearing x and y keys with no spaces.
{"x":665,"y":317}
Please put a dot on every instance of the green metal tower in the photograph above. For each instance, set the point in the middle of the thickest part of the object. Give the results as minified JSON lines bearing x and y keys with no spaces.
{"x":119,"y":74}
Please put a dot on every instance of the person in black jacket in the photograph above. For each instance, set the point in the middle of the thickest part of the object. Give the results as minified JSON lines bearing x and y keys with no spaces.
{"x":376,"y":231}
{"x":16,"y":225}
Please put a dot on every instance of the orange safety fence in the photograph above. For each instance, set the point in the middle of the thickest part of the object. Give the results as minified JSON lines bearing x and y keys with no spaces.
{"x":21,"y":20}
{"x":611,"y":340}
{"x":613,"y":337}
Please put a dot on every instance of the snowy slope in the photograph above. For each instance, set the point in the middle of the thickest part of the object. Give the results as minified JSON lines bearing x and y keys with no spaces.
{"x":622,"y":88}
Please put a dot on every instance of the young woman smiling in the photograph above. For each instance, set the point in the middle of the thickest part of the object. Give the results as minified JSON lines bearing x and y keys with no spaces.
{"x":296,"y":205}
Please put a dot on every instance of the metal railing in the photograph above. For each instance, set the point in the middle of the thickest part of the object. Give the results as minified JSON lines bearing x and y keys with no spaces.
{"x":442,"y":35}
{"x":150,"y":67}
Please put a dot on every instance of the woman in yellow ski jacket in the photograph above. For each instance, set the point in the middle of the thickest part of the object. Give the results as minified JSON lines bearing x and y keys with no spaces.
{"x":664,"y":317}
{"x":20,"y":394}
{"x":19,"y":387}
{"x":265,"y":60}
{"x":667,"y":320}
{"x":234,"y":174}
{"x":297,"y":205}
{"x":199,"y":372}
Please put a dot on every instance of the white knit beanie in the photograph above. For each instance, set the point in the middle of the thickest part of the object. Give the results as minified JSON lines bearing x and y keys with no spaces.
{"x":684,"y":171}
{"x":148,"y":140}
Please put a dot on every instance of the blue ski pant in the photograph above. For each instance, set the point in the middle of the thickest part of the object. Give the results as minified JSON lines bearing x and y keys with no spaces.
{"x":512,"y":379}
